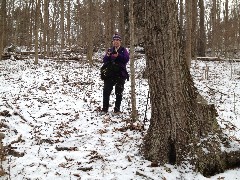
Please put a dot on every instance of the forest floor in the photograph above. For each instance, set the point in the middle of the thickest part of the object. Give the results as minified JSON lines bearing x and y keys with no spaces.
{"x":49,"y":115}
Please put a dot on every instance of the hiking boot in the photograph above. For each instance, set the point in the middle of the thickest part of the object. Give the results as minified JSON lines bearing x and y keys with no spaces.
{"x":116,"y":111}
{"x":103,"y":112}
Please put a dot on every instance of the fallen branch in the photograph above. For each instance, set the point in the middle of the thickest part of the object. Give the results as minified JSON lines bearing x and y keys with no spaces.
{"x":143,"y":175}
{"x":85,"y":168}
{"x":19,"y":139}
{"x":217,"y":59}
{"x":15,"y":112}
{"x":66,"y":148}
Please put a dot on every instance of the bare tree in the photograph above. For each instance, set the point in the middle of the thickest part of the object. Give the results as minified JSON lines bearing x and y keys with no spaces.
{"x":62,"y":24}
{"x":3,"y":14}
{"x":121,"y":20}
{"x":38,"y":3}
{"x":90,"y":31}
{"x":54,"y":27}
{"x":31,"y":26}
{"x":180,"y":124}
{"x":69,"y":23}
{"x":202,"y":36}
{"x":110,"y":20}
{"x":133,"y":84}
{"x":46,"y":28}
{"x":194,"y":30}
{"x":188,"y":5}
{"x":214,"y":25}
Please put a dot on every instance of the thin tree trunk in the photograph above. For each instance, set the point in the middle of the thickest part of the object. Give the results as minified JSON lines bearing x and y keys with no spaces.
{"x":69,"y":24}
{"x":46,"y":28}
{"x":62,"y":25}
{"x":3,"y":15}
{"x":133,"y":84}
{"x":226,"y":32}
{"x":194,"y":30}
{"x":202,"y":35}
{"x":110,"y":22}
{"x":32,"y":28}
{"x":79,"y":14}
{"x":54,"y":27}
{"x":121,"y":20}
{"x":38,"y":2}
{"x":214,"y":25}
{"x":188,"y":5}
{"x":90,"y":33}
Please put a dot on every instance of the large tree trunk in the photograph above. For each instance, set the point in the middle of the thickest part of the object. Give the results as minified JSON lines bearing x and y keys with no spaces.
{"x":179,"y":120}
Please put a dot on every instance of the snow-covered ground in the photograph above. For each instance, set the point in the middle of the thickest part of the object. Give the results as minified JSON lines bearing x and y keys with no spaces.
{"x":53,"y":121}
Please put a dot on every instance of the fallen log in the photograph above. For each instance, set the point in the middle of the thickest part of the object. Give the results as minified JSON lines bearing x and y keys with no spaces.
{"x":217,"y":59}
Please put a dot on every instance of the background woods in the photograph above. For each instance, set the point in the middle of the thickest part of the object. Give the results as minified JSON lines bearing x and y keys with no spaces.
{"x":207,"y":27}
{"x":74,"y":25}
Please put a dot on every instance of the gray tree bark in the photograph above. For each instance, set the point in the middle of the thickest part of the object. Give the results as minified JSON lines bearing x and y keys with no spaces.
{"x":214,"y":25}
{"x":194,"y":30}
{"x":202,"y":36}
{"x":133,"y":84}
{"x":46,"y":44}
{"x":3,"y":15}
{"x":89,"y":22}
{"x":62,"y":24}
{"x":181,"y":124}
{"x":188,"y":51}
{"x":38,"y":3}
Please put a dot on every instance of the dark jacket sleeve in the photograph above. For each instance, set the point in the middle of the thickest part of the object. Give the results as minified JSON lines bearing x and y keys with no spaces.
{"x":123,"y":57}
{"x":106,"y":58}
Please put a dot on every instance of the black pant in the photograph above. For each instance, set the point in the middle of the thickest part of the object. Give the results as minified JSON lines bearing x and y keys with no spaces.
{"x":107,"y":89}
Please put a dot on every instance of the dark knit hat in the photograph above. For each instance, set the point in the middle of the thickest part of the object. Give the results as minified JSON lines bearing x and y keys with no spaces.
{"x":116,"y":37}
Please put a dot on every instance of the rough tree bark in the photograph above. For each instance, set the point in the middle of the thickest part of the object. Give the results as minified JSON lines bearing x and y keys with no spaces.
{"x":188,"y":27}
{"x":181,"y":126}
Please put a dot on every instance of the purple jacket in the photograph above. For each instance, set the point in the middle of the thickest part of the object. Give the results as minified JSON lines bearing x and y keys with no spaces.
{"x":121,"y":60}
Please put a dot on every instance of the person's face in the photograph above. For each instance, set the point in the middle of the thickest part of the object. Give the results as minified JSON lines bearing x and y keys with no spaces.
{"x":116,"y":42}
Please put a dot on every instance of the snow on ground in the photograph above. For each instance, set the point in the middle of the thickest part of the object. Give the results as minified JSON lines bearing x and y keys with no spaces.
{"x":53,"y":117}
{"x":219,"y":83}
